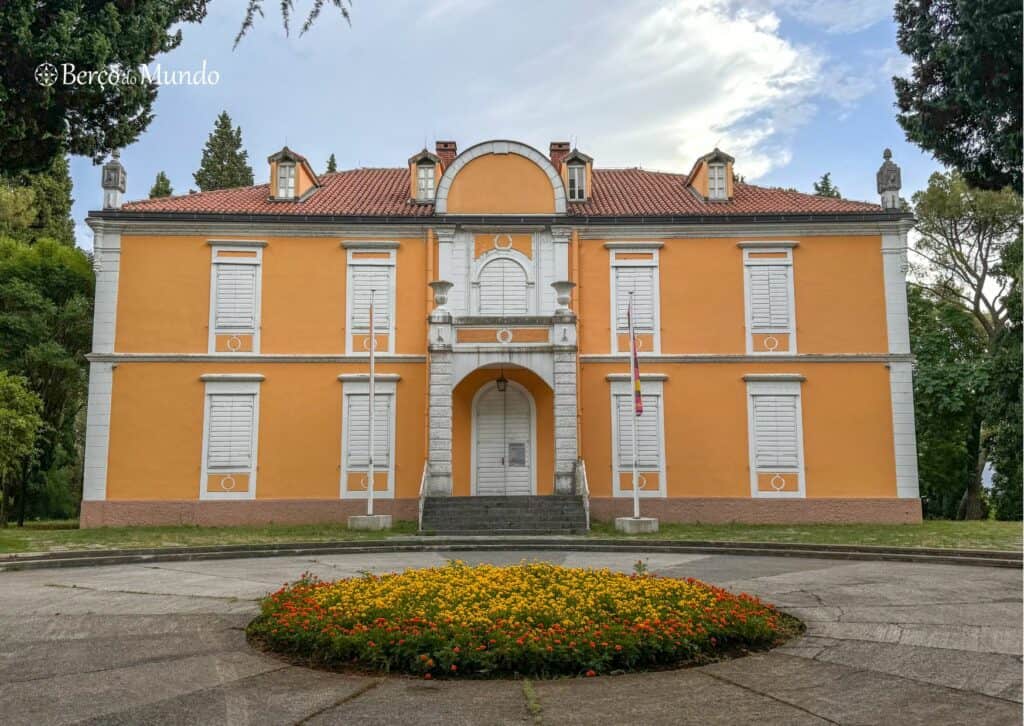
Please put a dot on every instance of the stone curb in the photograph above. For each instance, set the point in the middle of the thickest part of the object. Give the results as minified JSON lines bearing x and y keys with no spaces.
{"x":91,"y":558}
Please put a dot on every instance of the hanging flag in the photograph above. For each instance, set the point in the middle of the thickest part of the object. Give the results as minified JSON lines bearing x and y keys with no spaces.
{"x":634,"y":364}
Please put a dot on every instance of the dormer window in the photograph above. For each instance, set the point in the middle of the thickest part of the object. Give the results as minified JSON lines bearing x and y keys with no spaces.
{"x":577,"y":182}
{"x":285,"y":180}
{"x":425,"y":181}
{"x":716,"y":182}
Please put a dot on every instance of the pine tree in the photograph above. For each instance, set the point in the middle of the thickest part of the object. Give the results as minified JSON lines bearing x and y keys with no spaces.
{"x":332,"y":164}
{"x":825,"y":188}
{"x":161,"y":187}
{"x":225,"y":163}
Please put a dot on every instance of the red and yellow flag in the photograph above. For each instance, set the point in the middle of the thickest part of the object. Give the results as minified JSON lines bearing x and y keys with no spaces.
{"x":634,"y":363}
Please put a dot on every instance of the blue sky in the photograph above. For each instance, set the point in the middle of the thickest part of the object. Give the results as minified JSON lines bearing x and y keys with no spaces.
{"x":791,"y":88}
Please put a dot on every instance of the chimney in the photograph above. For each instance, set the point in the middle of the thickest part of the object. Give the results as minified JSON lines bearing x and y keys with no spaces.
{"x":446,"y":151}
{"x":558,"y":151}
{"x":113,"y":180}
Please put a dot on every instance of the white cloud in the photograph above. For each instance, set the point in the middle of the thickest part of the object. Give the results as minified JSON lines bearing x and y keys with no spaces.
{"x":663,"y":84}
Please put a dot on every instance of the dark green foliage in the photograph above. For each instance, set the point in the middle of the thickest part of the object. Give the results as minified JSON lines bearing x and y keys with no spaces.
{"x":963,"y":99}
{"x":50,"y":200}
{"x":949,"y":348}
{"x":332,"y":164}
{"x":824,"y":187}
{"x":39,"y":123}
{"x":225,"y":163}
{"x":161,"y":187}
{"x":46,"y":293}
{"x":1003,"y":400}
{"x":19,"y":428}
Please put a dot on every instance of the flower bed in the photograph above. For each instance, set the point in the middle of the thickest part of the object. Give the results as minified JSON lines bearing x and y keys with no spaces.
{"x":528,"y":619}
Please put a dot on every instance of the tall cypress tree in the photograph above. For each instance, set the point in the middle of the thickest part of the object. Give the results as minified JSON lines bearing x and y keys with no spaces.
{"x":332,"y":164}
{"x":49,"y":192}
{"x":225,"y":163}
{"x":825,"y":188}
{"x":161,"y":187}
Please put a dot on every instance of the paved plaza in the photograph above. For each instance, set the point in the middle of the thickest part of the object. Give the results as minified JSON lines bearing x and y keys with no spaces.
{"x":886,"y":643}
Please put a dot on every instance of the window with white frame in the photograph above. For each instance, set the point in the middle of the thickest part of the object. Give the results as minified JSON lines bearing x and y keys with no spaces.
{"x":235,"y":284}
{"x":230,"y":435}
{"x":650,"y":436}
{"x":503,"y":288}
{"x":577,"y":182}
{"x":355,"y":453}
{"x":776,"y":435}
{"x":635,"y":270}
{"x":770,"y":307}
{"x":716,"y":182}
{"x":371,"y":274}
{"x":285,"y":180}
{"x":425,"y":181}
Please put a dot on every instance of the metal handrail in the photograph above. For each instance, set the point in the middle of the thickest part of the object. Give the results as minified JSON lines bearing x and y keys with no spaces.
{"x":423,"y":492}
{"x":583,"y":488}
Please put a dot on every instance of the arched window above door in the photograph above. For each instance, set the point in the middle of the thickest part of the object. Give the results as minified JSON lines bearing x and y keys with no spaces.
{"x":503,"y":287}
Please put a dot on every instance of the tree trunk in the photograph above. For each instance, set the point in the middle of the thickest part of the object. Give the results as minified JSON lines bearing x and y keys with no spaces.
{"x":971,"y":504}
{"x":23,"y":494}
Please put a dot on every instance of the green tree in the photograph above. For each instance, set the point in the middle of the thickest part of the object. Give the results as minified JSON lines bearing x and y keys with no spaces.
{"x":51,"y":201}
{"x":962,"y":101}
{"x":332,"y":164}
{"x":41,"y":121}
{"x":17,"y":208}
{"x":19,"y":425}
{"x":46,"y":292}
{"x":824,"y":187}
{"x":963,"y":237}
{"x":225,"y":163}
{"x":1003,"y":409}
{"x":161,"y":187}
{"x":949,"y":349}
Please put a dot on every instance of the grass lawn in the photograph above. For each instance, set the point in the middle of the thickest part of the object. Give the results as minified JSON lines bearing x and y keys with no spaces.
{"x":986,"y":535}
{"x":65,"y":535}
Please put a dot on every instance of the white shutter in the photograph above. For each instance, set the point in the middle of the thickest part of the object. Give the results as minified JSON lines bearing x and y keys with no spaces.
{"x":503,"y":288}
{"x":235,"y":298}
{"x":776,"y":436}
{"x":639,"y":280}
{"x":364,"y":279}
{"x":230,"y":431}
{"x":648,"y":432}
{"x":357,"y":431}
{"x":769,"y":297}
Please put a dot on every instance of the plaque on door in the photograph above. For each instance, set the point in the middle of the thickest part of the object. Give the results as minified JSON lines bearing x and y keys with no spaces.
{"x":516,"y":454}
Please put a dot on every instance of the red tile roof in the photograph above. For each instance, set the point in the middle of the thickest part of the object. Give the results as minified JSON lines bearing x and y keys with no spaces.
{"x":616,"y":192}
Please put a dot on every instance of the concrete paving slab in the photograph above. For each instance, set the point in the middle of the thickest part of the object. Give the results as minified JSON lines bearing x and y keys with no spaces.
{"x":452,"y":703}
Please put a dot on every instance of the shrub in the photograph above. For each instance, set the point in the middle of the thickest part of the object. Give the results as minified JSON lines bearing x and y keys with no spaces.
{"x":530,"y":619}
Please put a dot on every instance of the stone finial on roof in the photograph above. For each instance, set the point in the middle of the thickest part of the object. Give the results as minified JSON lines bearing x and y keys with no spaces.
{"x":114,"y":181}
{"x":889,"y":182}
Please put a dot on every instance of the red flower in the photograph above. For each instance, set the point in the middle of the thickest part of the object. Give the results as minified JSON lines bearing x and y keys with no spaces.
{"x":590,"y":674}
{"x":454,"y":667}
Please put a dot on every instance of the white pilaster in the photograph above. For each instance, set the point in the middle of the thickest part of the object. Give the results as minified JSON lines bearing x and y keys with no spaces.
{"x":566,"y":445}
{"x":901,"y":373}
{"x":441,"y":376}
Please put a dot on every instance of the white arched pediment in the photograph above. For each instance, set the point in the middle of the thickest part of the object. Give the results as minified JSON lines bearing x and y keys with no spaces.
{"x":499,"y":147}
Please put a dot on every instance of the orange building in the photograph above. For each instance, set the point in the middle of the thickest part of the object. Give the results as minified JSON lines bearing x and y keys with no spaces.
{"x":229,"y":376}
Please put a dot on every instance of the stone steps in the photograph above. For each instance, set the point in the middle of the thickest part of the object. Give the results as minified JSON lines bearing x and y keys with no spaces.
{"x":556,"y":514}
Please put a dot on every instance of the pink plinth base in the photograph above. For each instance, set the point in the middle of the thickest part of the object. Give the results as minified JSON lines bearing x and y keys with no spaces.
{"x":722,"y":510}
{"x":227,"y":514}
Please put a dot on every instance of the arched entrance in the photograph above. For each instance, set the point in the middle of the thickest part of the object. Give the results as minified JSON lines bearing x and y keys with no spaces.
{"x":504,"y":440}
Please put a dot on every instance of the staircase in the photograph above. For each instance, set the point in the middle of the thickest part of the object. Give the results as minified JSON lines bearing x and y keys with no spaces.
{"x":555,"y":514}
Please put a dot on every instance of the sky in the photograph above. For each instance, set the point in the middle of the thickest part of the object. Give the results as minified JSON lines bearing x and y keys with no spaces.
{"x":790,"y":88}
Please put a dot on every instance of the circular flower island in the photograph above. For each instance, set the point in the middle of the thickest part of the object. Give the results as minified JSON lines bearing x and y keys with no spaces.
{"x":533,"y":619}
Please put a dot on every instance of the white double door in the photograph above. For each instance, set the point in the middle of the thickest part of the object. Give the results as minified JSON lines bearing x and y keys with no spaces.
{"x":504,"y":441}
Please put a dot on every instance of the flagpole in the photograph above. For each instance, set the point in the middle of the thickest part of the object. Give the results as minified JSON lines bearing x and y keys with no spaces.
{"x":634,"y":383}
{"x":369,"y":468}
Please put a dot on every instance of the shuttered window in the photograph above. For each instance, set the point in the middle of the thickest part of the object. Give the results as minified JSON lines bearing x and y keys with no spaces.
{"x":357,"y":430}
{"x":776,"y":432}
{"x":769,"y":297}
{"x":503,"y":288}
{"x":235,"y":298}
{"x":640,"y":281}
{"x":231,"y":430}
{"x":365,"y":278}
{"x":648,"y":432}
{"x":716,"y":181}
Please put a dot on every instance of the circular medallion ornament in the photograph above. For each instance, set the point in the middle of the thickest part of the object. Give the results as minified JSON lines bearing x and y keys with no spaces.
{"x":228,"y":483}
{"x":504,"y":336}
{"x":234,"y":343}
{"x":502,"y":241}
{"x":778,"y":482}
{"x":771,"y":343}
